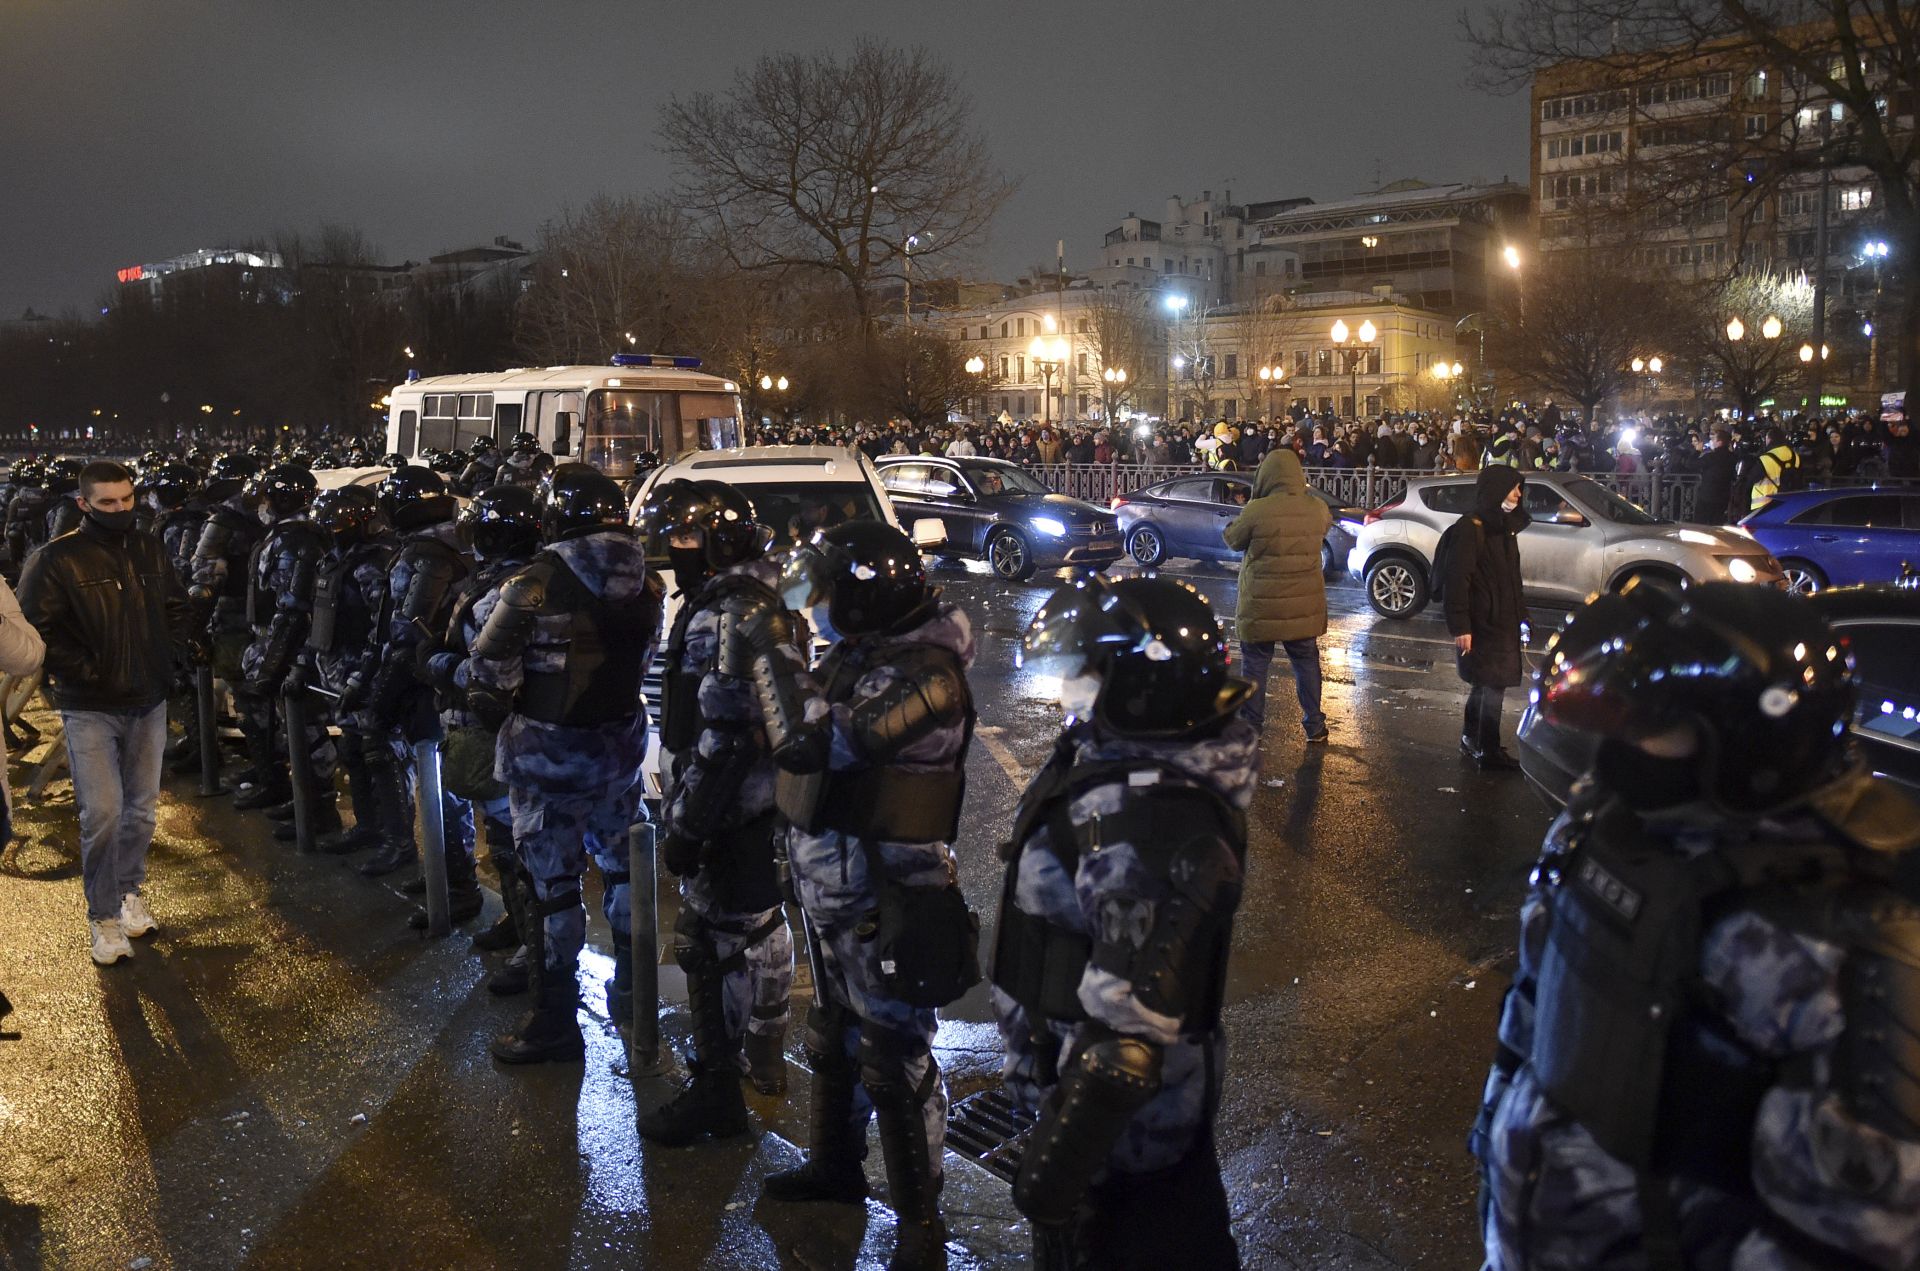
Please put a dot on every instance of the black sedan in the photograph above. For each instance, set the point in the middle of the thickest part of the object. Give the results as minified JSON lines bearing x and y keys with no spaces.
{"x":999,"y":512}
{"x":1184,"y":517}
{"x":1882,"y":626}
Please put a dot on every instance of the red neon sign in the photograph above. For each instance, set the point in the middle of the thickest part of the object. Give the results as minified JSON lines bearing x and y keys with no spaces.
{"x":132,"y":273}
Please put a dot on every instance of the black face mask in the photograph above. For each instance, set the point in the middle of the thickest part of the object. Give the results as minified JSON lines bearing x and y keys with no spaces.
{"x":115,"y":522}
{"x":1644,"y":782}
{"x":690,"y":567}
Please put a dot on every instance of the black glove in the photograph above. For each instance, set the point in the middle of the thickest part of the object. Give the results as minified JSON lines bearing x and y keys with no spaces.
{"x":681,"y":854}
{"x":489,"y":706}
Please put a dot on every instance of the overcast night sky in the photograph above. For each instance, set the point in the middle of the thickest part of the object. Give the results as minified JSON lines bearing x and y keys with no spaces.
{"x":134,"y":130}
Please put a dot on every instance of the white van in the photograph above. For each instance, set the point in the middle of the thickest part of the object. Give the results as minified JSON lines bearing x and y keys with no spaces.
{"x":644,"y":404}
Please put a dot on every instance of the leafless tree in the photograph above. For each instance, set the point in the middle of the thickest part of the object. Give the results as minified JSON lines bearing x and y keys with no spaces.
{"x":1730,"y":340}
{"x":610,"y":278}
{"x":841,"y":166}
{"x":1121,"y":337}
{"x":1860,"y":58}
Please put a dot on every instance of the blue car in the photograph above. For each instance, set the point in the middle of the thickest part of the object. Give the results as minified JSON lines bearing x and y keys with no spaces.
{"x":1836,"y":538}
{"x":1184,"y":517}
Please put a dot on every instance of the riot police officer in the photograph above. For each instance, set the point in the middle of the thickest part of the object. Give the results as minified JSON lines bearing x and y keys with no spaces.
{"x":731,"y":937}
{"x":217,"y":588}
{"x":26,"y":512}
{"x":483,"y":463}
{"x":350,"y":589}
{"x":874,"y":747}
{"x":280,"y":497}
{"x":172,"y":492}
{"x":558,"y":667}
{"x":1708,"y":1055}
{"x":63,"y":509}
{"x":502,"y":528}
{"x":1123,"y":874}
{"x":525,"y":464}
{"x":427,"y":563}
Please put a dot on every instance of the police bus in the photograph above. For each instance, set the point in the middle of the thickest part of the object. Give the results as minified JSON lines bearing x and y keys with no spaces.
{"x":644,"y":408}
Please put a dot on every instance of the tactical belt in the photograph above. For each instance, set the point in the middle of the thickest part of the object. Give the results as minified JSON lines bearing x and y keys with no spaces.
{"x":547,"y":696}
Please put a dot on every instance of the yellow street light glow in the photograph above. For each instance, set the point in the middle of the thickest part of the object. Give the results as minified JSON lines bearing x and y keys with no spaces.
{"x":1367,"y":332}
{"x":1771,"y":327}
{"x":1512,"y":256}
{"x":1638,"y":366}
{"x":1339,"y":332}
{"x":781,"y":383}
{"x":1047,"y":323}
{"x":208,"y":410}
{"x":1736,"y":329}
{"x":766,"y":381}
{"x":1806,"y":353}
{"x":976,"y":364}
{"x":1653,"y":364}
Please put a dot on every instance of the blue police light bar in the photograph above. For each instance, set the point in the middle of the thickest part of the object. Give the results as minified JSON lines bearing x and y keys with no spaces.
{"x":656,"y":359}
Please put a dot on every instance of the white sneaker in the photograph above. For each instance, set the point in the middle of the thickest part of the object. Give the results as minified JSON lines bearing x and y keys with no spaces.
{"x":109,"y":942}
{"x":134,"y":918}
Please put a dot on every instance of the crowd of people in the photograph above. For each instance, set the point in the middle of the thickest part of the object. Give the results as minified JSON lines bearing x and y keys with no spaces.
{"x":1724,"y":816}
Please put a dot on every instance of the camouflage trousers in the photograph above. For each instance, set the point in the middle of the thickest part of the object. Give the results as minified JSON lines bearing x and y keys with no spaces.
{"x":888,"y":1040}
{"x":554,"y":834}
{"x":757,"y":988}
{"x":263,"y":723}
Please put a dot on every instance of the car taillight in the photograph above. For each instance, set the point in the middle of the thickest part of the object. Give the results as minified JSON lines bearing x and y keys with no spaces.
{"x":1380,"y":511}
{"x":1116,"y":503}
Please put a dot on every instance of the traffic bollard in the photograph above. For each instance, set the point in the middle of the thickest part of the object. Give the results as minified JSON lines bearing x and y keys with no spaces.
{"x":300,"y":762}
{"x":643,"y":933}
{"x":209,"y":739}
{"x":433,"y":844}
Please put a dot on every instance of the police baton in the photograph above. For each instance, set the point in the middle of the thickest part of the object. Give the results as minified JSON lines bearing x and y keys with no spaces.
{"x":433,"y":867}
{"x":209,"y":740}
{"x":643,"y":935}
{"x":300,"y":761}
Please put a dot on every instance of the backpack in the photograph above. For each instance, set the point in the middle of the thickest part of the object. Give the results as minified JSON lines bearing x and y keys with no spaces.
{"x":1793,"y":475}
{"x":1443,"y":554}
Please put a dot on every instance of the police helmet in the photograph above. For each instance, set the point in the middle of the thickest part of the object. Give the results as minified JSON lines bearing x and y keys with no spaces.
{"x":285,"y":489}
{"x":150,"y":460}
{"x":868,"y":574}
{"x":1154,"y":643}
{"x":234,"y":467}
{"x":502,"y":521}
{"x":1766,"y":684}
{"x":524,"y":443}
{"x":28,"y":473}
{"x":351,"y":513}
{"x":170,"y":484}
{"x":413,"y":496}
{"x":301,"y":457}
{"x":721,"y":514}
{"x":578,"y":498}
{"x":393,"y":459}
{"x":63,"y":476}
{"x":481,"y":445}
{"x":200,"y":457}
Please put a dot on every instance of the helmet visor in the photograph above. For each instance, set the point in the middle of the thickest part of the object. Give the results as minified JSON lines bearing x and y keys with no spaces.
{"x":805,"y":577}
{"x":1077,"y":626}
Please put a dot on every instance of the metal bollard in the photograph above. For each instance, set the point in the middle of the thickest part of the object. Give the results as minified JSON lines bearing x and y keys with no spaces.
{"x":209,"y":739}
{"x":300,"y":762}
{"x":433,"y":846}
{"x":643,"y":909}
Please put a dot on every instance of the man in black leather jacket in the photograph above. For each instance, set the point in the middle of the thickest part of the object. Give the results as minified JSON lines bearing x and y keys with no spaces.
{"x":113,"y":613}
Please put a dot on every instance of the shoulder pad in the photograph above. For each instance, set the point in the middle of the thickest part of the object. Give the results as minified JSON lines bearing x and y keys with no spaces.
{"x":750,"y":602}
{"x":527,"y":589}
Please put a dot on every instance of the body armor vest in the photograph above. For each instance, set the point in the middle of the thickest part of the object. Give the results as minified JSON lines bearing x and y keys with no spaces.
{"x":301,"y":537}
{"x":1040,"y":964}
{"x":680,"y":683}
{"x":337,"y":624}
{"x":606,"y":655}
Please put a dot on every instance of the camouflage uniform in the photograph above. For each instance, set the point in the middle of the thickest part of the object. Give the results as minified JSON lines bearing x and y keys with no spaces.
{"x":520,"y":469}
{"x":1111,"y":901}
{"x":755,"y":946}
{"x":343,"y":659}
{"x":479,"y":593}
{"x":855,"y":1018}
{"x":283,"y":570}
{"x":179,"y":532}
{"x":26,"y":522}
{"x":573,"y":791}
{"x":218,"y":585}
{"x":1819,"y":1181}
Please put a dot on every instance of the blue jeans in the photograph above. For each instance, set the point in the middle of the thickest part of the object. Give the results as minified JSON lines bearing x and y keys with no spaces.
{"x":1257,"y":659}
{"x":115,"y":757}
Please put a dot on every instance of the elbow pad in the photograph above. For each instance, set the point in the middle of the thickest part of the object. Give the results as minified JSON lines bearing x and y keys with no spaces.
{"x":713,"y":784}
{"x":510,"y":625}
{"x":1877,"y":1061}
{"x":910,"y":708}
{"x":1106,"y":1084}
{"x":1175,"y":970}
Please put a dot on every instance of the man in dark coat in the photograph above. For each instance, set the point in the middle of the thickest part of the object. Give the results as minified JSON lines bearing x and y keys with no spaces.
{"x":1484,"y":608}
{"x":1717,"y":467}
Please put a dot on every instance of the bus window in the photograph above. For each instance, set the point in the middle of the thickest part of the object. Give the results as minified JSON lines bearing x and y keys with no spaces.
{"x":476,"y":419}
{"x":709,"y":421}
{"x":436,"y":423}
{"x":623,"y":424}
{"x":551,"y":417}
{"x":409,"y":426}
{"x":506,"y":420}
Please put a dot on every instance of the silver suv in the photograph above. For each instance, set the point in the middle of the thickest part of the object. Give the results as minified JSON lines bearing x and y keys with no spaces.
{"x":1584,"y":539}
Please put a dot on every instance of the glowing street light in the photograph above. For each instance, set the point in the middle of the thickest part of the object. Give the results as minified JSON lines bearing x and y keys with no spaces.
{"x":1770,"y":328}
{"x":1175,"y":303}
{"x":1511,"y":255}
{"x":1341,"y":335}
{"x":1735,"y":329}
{"x":1638,"y":365}
{"x":1653,"y":364}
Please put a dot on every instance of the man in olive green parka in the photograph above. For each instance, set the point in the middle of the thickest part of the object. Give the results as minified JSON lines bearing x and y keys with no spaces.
{"x":1283,"y":596}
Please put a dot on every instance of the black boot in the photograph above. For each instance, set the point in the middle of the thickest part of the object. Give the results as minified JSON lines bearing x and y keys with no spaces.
{"x":388,"y":857}
{"x":344,"y":842}
{"x":620,"y":983}
{"x":833,"y":1170}
{"x":503,"y":935}
{"x":767,"y":1061}
{"x":325,"y":818}
{"x":550,"y":1032}
{"x":464,"y":898}
{"x":920,"y":1233}
{"x":281,"y":811}
{"x":514,"y":976}
{"x":711,"y":1105}
{"x":276,"y":788}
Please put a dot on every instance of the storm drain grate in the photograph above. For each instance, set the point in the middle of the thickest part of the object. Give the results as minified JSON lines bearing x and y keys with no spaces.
{"x":987,"y":1129}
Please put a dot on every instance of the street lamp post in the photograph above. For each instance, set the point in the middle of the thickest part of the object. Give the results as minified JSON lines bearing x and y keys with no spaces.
{"x":977,"y":367}
{"x":1114,"y":382}
{"x":1354,"y":344}
{"x":1049,"y":356}
{"x":1176,"y":305}
{"x":1273,"y":377}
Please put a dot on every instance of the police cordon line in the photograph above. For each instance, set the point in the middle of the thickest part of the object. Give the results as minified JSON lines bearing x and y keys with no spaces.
{"x":1710,"y":1056}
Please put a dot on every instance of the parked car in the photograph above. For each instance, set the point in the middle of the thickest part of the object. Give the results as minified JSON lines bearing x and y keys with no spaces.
{"x":1001,"y":513}
{"x":1584,"y":538}
{"x":1834,"y":538}
{"x":1184,"y":517}
{"x":1882,"y":627}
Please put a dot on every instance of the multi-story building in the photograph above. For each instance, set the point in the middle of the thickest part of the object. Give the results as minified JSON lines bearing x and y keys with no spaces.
{"x":260,"y":274}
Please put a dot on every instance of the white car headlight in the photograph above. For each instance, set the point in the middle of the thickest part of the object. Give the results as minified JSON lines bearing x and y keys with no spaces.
{"x":1741,"y":570}
{"x":1050,"y":526}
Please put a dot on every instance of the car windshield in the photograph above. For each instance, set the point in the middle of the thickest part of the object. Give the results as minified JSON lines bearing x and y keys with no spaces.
{"x":1608,"y":504}
{"x":991,"y":479}
{"x":795,"y":509}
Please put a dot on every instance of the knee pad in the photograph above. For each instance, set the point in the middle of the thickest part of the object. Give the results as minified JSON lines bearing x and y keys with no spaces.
{"x":826,"y":1040}
{"x":558,"y":903}
{"x":885,"y":1054}
{"x":693,"y":950}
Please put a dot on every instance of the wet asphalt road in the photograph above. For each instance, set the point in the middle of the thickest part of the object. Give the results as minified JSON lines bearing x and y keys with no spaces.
{"x":286,"y":1077}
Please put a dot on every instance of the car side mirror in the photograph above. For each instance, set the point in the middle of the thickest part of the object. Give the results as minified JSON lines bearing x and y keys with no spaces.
{"x":929,"y":532}
{"x":1569,"y":518}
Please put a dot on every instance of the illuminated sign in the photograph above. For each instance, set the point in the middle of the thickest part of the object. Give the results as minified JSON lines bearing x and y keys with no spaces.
{"x":132,"y":273}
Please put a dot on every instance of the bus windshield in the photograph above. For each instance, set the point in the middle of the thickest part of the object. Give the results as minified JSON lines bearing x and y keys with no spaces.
{"x":632,"y":428}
